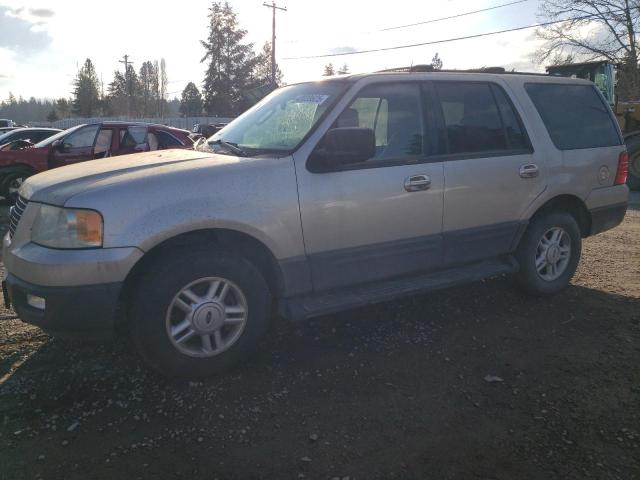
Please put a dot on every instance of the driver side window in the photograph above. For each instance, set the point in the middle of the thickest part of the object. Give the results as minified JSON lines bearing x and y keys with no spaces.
{"x":82,"y":138}
{"x":393,"y":112}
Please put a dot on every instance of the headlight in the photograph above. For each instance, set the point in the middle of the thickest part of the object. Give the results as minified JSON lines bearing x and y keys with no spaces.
{"x":57,"y":227}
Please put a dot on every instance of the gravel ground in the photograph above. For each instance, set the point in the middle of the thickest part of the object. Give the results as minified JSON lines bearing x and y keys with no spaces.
{"x":475,"y":382}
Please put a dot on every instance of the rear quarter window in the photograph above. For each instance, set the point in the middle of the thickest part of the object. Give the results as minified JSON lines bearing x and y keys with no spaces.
{"x":575,"y":116}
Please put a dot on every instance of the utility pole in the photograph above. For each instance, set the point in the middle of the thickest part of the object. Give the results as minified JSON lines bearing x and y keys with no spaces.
{"x":273,"y":7}
{"x":127,"y":80}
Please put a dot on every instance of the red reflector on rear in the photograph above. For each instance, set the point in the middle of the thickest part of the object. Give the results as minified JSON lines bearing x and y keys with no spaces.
{"x":623,"y":169}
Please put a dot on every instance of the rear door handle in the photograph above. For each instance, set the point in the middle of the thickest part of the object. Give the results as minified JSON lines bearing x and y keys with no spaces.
{"x":529,"y":171}
{"x":416,"y":183}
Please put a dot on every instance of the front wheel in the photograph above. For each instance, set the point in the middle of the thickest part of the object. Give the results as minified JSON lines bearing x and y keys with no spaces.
{"x":11,"y":185}
{"x":549,"y":253}
{"x":198,"y":313}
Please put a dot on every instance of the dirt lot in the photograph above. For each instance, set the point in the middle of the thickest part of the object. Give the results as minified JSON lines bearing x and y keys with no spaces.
{"x":392,"y":391}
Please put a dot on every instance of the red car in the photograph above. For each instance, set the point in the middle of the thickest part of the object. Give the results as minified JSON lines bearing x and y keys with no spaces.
{"x":85,"y":142}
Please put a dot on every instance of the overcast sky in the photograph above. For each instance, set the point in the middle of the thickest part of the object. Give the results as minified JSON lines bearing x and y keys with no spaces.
{"x":43,"y":42}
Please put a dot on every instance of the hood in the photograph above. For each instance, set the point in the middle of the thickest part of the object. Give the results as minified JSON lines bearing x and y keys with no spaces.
{"x":58,"y":185}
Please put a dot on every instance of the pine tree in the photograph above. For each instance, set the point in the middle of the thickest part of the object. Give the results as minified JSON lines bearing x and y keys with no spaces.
{"x":63,"y":107}
{"x":262,"y":71}
{"x":86,"y":93}
{"x":436,"y":62}
{"x":117,"y":95}
{"x":231,"y":63}
{"x":147,"y":100}
{"x":191,"y":101}
{"x":133,"y":89}
{"x":53,"y":115}
{"x":344,"y":70}
{"x":329,"y":71}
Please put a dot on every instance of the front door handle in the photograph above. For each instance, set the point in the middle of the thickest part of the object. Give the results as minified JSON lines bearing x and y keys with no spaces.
{"x":529,"y":171}
{"x":416,"y":183}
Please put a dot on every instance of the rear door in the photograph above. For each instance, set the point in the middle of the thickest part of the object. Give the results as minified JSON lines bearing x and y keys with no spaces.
{"x":492,"y":173}
{"x":104,"y":143}
{"x":133,"y":139}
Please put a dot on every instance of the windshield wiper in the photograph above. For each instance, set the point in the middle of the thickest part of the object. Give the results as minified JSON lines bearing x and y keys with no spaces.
{"x":231,"y":146}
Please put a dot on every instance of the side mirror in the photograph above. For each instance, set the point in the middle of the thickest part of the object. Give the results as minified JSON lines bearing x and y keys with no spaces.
{"x":345,"y":146}
{"x":60,"y":145}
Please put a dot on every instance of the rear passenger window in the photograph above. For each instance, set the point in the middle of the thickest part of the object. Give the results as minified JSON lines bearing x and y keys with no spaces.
{"x":513,"y":129}
{"x":575,"y":115}
{"x":167,"y":141}
{"x":471,"y":116}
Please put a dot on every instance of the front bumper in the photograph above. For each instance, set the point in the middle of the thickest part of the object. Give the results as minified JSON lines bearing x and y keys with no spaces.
{"x":82,"y":311}
{"x":80,"y":288}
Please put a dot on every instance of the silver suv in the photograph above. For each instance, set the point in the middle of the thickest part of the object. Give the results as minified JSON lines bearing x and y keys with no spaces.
{"x":324,"y":196}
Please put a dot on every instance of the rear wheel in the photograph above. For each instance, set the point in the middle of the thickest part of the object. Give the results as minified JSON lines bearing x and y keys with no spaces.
{"x":197,"y":313}
{"x":549,"y":253}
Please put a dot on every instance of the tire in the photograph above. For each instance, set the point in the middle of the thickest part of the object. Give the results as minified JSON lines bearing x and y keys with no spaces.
{"x":11,"y":184}
{"x":155,"y":309}
{"x":633,"y":147}
{"x":544,"y":280}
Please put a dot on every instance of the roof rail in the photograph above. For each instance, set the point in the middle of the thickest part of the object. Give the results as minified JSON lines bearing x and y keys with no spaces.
{"x":429,"y":68}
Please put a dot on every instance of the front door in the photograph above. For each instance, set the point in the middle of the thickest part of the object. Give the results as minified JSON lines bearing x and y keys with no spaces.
{"x":75,"y":147}
{"x":383,"y":217}
{"x":492,"y":173}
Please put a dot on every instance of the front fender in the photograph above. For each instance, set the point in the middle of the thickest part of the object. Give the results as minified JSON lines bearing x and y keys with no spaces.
{"x":256,"y":197}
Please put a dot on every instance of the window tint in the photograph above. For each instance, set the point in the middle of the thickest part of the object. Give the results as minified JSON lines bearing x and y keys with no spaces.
{"x":133,"y":136}
{"x":575,"y":115}
{"x":39,"y":136}
{"x":516,"y":138}
{"x":167,"y":141}
{"x":393,"y":112}
{"x":82,"y":138}
{"x":471,"y":117}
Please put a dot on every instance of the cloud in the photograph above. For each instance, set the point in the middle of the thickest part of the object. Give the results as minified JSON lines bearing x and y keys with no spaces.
{"x":342,"y":50}
{"x":19,"y":35}
{"x":42,"y":12}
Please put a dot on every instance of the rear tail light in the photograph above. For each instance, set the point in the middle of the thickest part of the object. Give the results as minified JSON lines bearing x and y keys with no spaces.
{"x":623,"y":169}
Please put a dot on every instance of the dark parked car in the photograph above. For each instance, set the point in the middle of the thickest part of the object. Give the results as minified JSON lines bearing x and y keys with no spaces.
{"x":206,"y":130}
{"x":85,"y":142}
{"x":20,"y":138}
{"x":4,"y":122}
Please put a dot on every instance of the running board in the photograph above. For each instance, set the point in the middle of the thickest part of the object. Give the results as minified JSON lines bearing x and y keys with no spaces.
{"x":302,"y":308}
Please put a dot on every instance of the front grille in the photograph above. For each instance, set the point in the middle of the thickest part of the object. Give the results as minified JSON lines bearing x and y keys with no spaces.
{"x":16,"y":212}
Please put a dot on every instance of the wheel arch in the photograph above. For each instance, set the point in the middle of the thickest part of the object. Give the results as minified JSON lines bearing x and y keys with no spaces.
{"x":16,"y":167}
{"x":230,"y":240}
{"x":572,"y":205}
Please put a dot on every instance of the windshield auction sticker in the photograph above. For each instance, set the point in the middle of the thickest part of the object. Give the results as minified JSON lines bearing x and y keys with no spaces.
{"x":311,"y":98}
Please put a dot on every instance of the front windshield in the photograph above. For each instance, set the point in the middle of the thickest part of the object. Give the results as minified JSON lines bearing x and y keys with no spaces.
{"x":4,"y":136}
{"x":50,"y":140}
{"x":281,"y":121}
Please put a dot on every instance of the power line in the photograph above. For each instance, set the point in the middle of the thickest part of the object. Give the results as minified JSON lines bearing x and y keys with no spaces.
{"x":434,"y":42}
{"x":434,"y":20}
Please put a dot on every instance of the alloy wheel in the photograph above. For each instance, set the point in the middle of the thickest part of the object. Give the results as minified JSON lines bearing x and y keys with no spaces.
{"x":206,"y":317}
{"x":553,"y":254}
